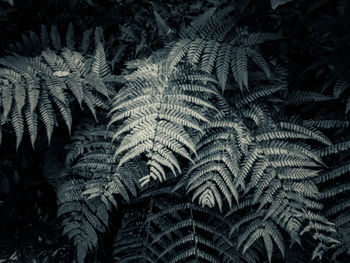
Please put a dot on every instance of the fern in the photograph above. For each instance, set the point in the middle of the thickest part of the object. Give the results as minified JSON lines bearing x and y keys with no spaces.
{"x":216,"y":166}
{"x":213,"y":44}
{"x":95,"y":184}
{"x":156,"y":113}
{"x":265,"y":230}
{"x":301,"y":97}
{"x":177,"y":233}
{"x":335,"y":196}
{"x":278,"y":172}
{"x":44,"y":87}
{"x":164,"y":30}
{"x":82,"y":217}
{"x":132,"y":242}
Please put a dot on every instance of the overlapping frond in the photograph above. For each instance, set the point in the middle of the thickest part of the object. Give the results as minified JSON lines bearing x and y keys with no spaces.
{"x":214,"y":175}
{"x":83,"y":218}
{"x":44,"y":87}
{"x":278,"y":169}
{"x":336,"y":195}
{"x":94,"y":186}
{"x":170,"y":229}
{"x":215,"y":44}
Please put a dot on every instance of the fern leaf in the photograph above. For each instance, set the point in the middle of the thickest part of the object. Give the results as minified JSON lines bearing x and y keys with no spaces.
{"x":155,"y":114}
{"x":20,"y":96}
{"x":55,"y":88}
{"x":32,"y":124}
{"x":301,"y":97}
{"x":75,"y":61}
{"x":265,"y":91}
{"x":33,"y":94}
{"x":336,"y":190}
{"x":65,"y":113}
{"x":163,"y":28}
{"x":258,"y":60}
{"x":334,"y":149}
{"x":327,"y":124}
{"x":177,"y":53}
{"x":316,"y":135}
{"x":89,"y":101}
{"x":223,"y":64}
{"x":74,"y":84}
{"x":6,"y":97}
{"x":47,"y":114}
{"x":209,"y":56}
{"x":99,"y":65}
{"x":242,"y":67}
{"x":280,"y":135}
{"x":337,"y":172}
{"x":98,"y":36}
{"x":195,"y":50}
{"x":18,"y":125}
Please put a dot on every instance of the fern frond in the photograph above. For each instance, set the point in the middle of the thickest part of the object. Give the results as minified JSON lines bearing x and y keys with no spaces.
{"x":82,"y":217}
{"x":43,"y":86}
{"x":32,"y":124}
{"x":265,"y":230}
{"x":163,"y":28}
{"x":334,"y":149}
{"x":334,"y":191}
{"x":327,"y":124}
{"x":241,"y":69}
{"x":177,"y":53}
{"x":17,"y":122}
{"x":156,"y":113}
{"x":195,"y":50}
{"x":258,"y":60}
{"x":265,"y":91}
{"x":209,"y":56}
{"x":99,"y":65}
{"x":316,"y":135}
{"x":212,"y":43}
{"x":223,"y":64}
{"x":301,"y":97}
{"x":334,"y":173}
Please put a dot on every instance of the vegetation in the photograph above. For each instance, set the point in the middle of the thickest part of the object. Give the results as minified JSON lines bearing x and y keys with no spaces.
{"x":150,"y":131}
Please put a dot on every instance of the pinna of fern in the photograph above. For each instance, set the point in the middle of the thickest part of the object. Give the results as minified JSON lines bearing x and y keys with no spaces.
{"x":44,"y":87}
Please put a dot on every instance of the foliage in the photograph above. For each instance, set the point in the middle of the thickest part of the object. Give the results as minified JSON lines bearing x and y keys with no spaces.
{"x":207,"y":131}
{"x":45,"y":85}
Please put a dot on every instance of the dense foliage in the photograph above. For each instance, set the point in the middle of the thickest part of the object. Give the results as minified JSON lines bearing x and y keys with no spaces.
{"x":176,"y":131}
